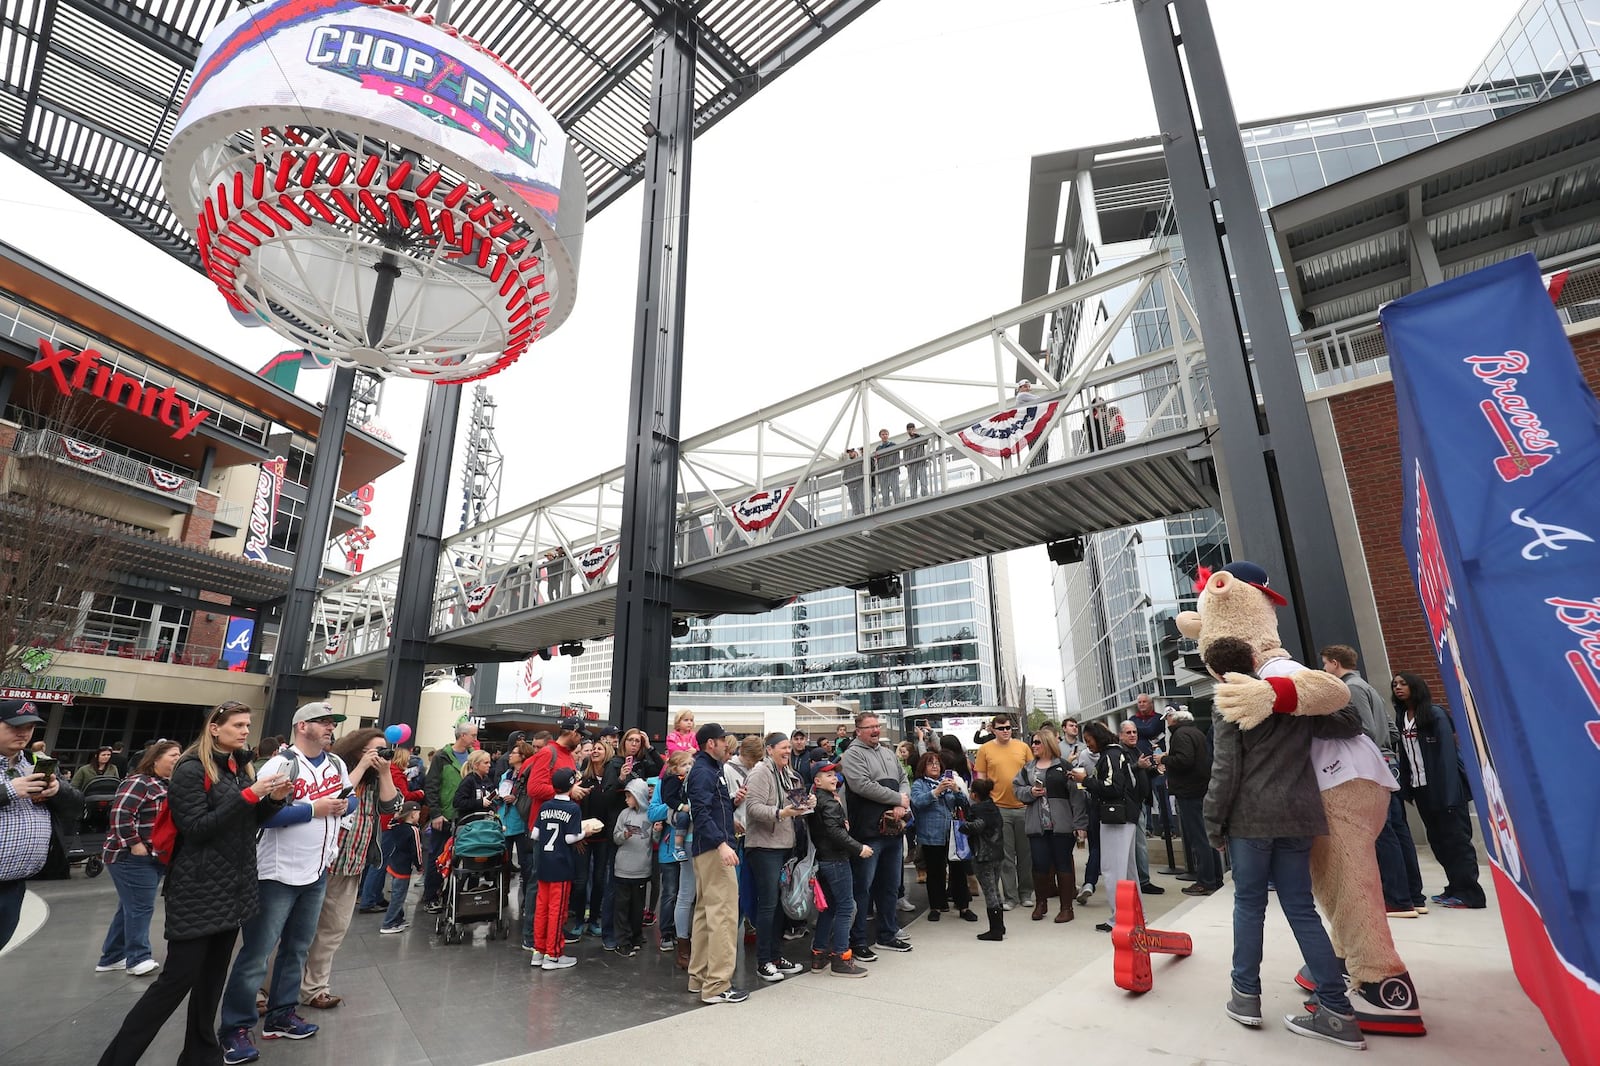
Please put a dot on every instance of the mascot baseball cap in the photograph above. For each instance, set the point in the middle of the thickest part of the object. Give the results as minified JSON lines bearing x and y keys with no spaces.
{"x":1253,"y":574}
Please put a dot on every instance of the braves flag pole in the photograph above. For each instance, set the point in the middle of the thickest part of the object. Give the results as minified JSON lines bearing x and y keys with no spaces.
{"x":1500,"y":455}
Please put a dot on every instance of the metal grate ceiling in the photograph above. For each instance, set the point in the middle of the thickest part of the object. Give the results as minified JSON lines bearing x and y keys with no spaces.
{"x":90,"y":89}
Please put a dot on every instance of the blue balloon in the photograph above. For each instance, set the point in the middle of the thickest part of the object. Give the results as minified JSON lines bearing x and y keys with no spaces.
{"x":393,"y":734}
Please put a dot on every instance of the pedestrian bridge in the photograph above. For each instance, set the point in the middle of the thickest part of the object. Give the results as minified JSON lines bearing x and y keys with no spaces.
{"x":802,"y":495}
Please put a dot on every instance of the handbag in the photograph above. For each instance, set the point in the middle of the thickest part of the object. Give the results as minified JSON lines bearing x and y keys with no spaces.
{"x":1119,"y":811}
{"x":891,"y":824}
{"x":960,"y":848}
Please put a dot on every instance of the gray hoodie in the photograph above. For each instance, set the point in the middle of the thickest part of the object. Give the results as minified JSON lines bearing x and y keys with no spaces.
{"x":632,"y":835}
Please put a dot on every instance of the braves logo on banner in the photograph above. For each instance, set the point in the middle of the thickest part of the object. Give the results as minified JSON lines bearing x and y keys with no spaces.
{"x":479,"y":596}
{"x":1500,"y":458}
{"x":264,"y":509}
{"x":83,"y":453}
{"x":761,"y":510}
{"x":166,"y":482}
{"x":1009,"y":432}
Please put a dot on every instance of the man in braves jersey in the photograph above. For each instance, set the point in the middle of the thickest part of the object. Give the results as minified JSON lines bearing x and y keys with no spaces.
{"x":293,"y":853}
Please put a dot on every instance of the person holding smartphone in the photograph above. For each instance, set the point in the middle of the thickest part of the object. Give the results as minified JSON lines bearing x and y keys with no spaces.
{"x":31,"y":792}
{"x":1057,"y":817}
{"x":936,"y":795}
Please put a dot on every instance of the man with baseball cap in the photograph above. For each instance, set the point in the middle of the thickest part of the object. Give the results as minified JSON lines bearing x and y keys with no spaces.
{"x":26,"y":800}
{"x":715,"y":938}
{"x":293,"y":852}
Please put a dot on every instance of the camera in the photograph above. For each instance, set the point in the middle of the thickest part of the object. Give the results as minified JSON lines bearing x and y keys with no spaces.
{"x":386,"y":754}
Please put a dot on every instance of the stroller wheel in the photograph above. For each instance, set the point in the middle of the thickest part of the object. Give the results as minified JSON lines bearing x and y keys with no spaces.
{"x":93,"y":866}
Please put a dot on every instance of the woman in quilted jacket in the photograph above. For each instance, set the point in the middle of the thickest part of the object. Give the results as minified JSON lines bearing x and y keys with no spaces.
{"x":216,"y":808}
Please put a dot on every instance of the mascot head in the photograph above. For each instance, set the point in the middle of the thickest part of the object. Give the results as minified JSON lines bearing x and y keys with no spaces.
{"x":1235,"y":601}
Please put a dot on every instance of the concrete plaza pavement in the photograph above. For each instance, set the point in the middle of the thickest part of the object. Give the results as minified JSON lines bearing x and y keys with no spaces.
{"x":1046,"y":995}
{"x":1046,"y":991}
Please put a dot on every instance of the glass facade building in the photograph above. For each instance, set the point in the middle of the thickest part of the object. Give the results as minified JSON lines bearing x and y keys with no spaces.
{"x":1115,"y":609}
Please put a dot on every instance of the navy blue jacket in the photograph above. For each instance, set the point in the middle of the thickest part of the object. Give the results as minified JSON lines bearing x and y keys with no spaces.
{"x":1441,"y":760}
{"x":709,"y":804}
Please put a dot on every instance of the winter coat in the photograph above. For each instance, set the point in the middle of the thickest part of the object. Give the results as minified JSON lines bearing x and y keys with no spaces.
{"x":984,"y":826}
{"x":1263,"y":784}
{"x":934,"y":812}
{"x":1441,"y":760}
{"x":1188,"y":761}
{"x":439,"y":787}
{"x":764,"y":827}
{"x":1069,"y":807}
{"x":211,"y":884}
{"x":830,"y":831}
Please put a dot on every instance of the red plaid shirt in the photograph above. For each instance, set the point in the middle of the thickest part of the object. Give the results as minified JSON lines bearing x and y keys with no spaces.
{"x":133,"y":814}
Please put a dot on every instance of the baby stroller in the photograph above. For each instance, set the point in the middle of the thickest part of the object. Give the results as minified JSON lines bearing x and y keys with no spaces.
{"x":85,"y":845}
{"x":474,"y":865}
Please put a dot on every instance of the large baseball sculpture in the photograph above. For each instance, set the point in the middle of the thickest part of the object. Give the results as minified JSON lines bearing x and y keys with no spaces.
{"x":320,"y":138}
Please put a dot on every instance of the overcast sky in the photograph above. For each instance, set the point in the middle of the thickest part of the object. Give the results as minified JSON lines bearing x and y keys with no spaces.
{"x":869,"y":200}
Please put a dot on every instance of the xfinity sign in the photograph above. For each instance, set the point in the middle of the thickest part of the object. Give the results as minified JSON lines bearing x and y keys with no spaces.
{"x":84,"y":372}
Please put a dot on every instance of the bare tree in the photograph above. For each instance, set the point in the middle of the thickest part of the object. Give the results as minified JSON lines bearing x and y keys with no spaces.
{"x":55,"y":555}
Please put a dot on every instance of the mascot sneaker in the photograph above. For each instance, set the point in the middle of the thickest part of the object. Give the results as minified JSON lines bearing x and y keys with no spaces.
{"x":1305,"y":980}
{"x":1386,"y":1008}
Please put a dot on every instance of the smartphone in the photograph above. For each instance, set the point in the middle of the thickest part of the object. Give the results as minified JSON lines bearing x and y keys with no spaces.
{"x":44,"y":764}
{"x":922,"y":723}
{"x":947,"y":775}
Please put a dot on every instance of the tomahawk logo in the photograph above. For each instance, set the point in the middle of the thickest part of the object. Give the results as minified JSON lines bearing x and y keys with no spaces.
{"x":89,"y":374}
{"x":1515,"y":424}
{"x":1433,"y":572}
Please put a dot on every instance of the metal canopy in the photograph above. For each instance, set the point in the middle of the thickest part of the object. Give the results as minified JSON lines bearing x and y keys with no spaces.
{"x":90,"y":89}
{"x":1529,"y":182}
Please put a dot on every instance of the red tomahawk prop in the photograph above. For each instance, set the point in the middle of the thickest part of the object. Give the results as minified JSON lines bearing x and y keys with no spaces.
{"x":1134,"y":943}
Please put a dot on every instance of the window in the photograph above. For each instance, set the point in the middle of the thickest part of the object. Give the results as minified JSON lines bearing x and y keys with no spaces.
{"x":286,"y":530}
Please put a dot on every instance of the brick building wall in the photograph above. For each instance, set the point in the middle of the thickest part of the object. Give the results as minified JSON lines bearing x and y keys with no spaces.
{"x":1369,"y":439}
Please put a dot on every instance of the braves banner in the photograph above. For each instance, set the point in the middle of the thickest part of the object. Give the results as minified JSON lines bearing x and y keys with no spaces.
{"x":264,"y":509}
{"x":596,"y":561}
{"x":1500,"y":449}
{"x":1009,"y":432}
{"x":83,"y":453}
{"x":236,"y":649}
{"x":478,"y":597}
{"x":166,"y":482}
{"x":761,"y":510}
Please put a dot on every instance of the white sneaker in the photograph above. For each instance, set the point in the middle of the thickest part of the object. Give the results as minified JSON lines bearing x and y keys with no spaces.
{"x":142,"y":968}
{"x":1008,"y":906}
{"x":559,"y":964}
{"x":120,"y":964}
{"x":905,"y":905}
{"x":538,"y":960}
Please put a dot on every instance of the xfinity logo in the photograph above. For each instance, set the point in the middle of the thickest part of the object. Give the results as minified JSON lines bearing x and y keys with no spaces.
{"x":90,"y":375}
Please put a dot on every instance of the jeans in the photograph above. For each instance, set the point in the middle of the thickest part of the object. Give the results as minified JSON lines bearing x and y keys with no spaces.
{"x":287,"y":918}
{"x":667,"y":901}
{"x":432,"y":879}
{"x":834,"y":924}
{"x":592,"y":891}
{"x":766,"y":871}
{"x":372,"y":883}
{"x":11,"y":893}
{"x":1286,"y":862}
{"x":877,"y":880}
{"x":1397,"y":858}
{"x":684,"y":918}
{"x":1091,"y":865}
{"x":1192,"y":821}
{"x":137,"y":879}
{"x":398,"y":887}
{"x":195,"y":968}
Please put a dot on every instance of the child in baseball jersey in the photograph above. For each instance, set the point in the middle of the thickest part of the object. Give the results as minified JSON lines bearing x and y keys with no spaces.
{"x":557,"y":829}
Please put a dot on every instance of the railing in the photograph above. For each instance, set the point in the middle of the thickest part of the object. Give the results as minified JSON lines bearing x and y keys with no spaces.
{"x":113,"y":466}
{"x":1354,"y":349}
{"x":201,"y":655}
{"x":796,"y":452}
{"x":232,"y":513}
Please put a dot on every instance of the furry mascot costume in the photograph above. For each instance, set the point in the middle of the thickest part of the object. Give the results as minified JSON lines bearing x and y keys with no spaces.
{"x":1236,"y":602}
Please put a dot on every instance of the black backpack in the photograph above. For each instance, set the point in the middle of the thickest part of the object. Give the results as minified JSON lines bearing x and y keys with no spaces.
{"x":520,"y":797}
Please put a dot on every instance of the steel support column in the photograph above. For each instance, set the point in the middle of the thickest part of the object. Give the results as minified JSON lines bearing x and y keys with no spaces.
{"x":419,"y":557}
{"x":1283,"y":520}
{"x":294,"y":629}
{"x":642,"y":655}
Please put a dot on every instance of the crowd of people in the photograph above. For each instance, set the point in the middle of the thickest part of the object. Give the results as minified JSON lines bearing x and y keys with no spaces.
{"x":605,"y":837}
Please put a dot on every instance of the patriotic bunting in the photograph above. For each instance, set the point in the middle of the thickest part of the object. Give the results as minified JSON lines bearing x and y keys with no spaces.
{"x":1009,"y":432}
{"x":83,"y":453}
{"x":761,"y":510}
{"x":479,"y":596}
{"x":166,"y":482}
{"x":335,"y":642}
{"x":597,"y":560}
